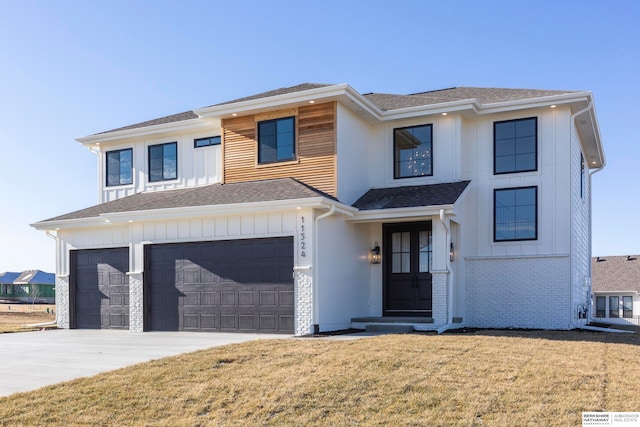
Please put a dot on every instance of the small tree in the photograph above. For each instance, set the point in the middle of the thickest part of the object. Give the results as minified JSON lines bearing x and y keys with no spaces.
{"x":34,"y":293}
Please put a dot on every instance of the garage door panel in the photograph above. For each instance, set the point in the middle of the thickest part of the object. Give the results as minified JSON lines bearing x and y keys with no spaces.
{"x":228,"y":299}
{"x":285,"y":298}
{"x":219,"y":285}
{"x":268,"y":298}
{"x":101,"y":288}
{"x":286,"y":322}
{"x":246,"y":298}
{"x":228,"y":322}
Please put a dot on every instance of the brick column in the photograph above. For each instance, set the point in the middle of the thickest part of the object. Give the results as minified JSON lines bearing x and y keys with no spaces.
{"x":440,"y":295}
{"x":62,"y":301}
{"x":303,"y":295}
{"x":136,"y":303}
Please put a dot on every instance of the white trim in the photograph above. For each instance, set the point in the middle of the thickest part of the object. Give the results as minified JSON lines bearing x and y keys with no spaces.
{"x":191,"y":124}
{"x":195,"y":212}
{"x":490,"y":257}
{"x":376,"y":215}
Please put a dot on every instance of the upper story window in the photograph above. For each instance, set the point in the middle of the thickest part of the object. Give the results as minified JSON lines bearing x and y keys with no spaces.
{"x":276,"y":140}
{"x":205,"y":142}
{"x":515,"y":146}
{"x":413,"y":151}
{"x":515,"y":214}
{"x":119,"y":167}
{"x":163,"y":162}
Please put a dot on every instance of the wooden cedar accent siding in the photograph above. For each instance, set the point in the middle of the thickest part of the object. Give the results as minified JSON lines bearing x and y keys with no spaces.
{"x":315,"y":149}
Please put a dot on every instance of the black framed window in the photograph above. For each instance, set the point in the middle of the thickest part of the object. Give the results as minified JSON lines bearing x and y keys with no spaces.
{"x":515,"y":146}
{"x":276,"y":140}
{"x":413,"y":151}
{"x":163,"y":162}
{"x":515,"y":214}
{"x":119,"y":167}
{"x":614,"y":306}
{"x":205,"y":142}
{"x":601,"y":307}
{"x":627,"y":307}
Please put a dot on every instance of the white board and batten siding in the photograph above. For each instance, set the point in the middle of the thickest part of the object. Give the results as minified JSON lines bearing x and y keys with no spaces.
{"x":507,"y":283}
{"x":580,"y":230}
{"x":137,"y":234}
{"x":446,"y":146}
{"x":196,"y":166}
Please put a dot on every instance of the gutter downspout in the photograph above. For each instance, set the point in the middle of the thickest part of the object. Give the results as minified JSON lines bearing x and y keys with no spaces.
{"x":572,"y":120}
{"x":315,"y":271}
{"x":595,"y":171}
{"x":590,"y":319}
{"x":447,"y":234}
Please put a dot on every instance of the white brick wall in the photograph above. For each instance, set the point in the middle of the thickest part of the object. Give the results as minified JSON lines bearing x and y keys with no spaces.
{"x":529,"y":292}
{"x":62,"y":301}
{"x":303,"y":302}
{"x":136,"y":303}
{"x":440,"y":295}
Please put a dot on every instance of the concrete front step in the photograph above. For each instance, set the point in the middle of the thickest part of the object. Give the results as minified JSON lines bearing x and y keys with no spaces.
{"x":389,"y":328}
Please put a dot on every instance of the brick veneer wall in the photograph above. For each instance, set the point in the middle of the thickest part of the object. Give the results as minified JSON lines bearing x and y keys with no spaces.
{"x":136,"y":303}
{"x":62,"y":301}
{"x":303,"y":302}
{"x":530,"y":292}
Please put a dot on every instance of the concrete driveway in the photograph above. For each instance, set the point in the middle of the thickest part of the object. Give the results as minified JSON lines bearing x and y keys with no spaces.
{"x":30,"y":360}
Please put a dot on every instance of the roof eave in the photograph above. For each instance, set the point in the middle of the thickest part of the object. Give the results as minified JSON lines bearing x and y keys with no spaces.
{"x":472,"y":105}
{"x":408,"y":214}
{"x":269,"y":103}
{"x":226,"y":209}
{"x":191,"y":124}
{"x":194,"y":212}
{"x":467,"y":105}
{"x":63,"y":224}
{"x":543,"y":101}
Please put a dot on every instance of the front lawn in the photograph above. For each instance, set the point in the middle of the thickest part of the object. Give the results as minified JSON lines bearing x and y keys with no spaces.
{"x":489,"y":378}
{"x":13,"y":317}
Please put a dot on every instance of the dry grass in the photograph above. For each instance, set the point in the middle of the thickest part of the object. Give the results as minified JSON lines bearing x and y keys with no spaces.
{"x":489,"y":378}
{"x":14,"y":316}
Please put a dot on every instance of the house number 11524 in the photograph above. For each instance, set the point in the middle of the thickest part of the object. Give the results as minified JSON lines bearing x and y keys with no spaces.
{"x":303,"y":244}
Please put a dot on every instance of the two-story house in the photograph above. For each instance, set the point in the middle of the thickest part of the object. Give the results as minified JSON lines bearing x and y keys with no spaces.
{"x":317,"y":208}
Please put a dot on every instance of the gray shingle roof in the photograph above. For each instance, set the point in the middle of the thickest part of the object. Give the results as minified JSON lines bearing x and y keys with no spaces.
{"x":384,"y":101}
{"x":411,"y":196}
{"x":615,"y":273}
{"x":186,"y":115}
{"x":276,"y":92}
{"x":387,"y":102}
{"x":210,"y":195}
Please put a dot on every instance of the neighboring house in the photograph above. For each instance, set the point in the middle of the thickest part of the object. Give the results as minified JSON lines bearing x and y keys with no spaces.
{"x":616,"y":289}
{"x":28,"y":286}
{"x":317,"y":208}
{"x":6,"y":284}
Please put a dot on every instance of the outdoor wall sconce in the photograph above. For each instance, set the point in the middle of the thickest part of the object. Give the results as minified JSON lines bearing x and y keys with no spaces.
{"x":451,"y":252}
{"x":374,"y":254}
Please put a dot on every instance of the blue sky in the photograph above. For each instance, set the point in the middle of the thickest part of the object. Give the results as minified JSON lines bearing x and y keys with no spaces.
{"x":73,"y":68}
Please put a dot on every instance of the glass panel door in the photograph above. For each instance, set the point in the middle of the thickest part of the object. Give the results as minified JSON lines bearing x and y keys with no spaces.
{"x":407,"y":264}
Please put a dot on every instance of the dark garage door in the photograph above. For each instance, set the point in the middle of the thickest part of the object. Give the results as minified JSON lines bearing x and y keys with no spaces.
{"x":100,"y":288}
{"x":234,"y":285}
